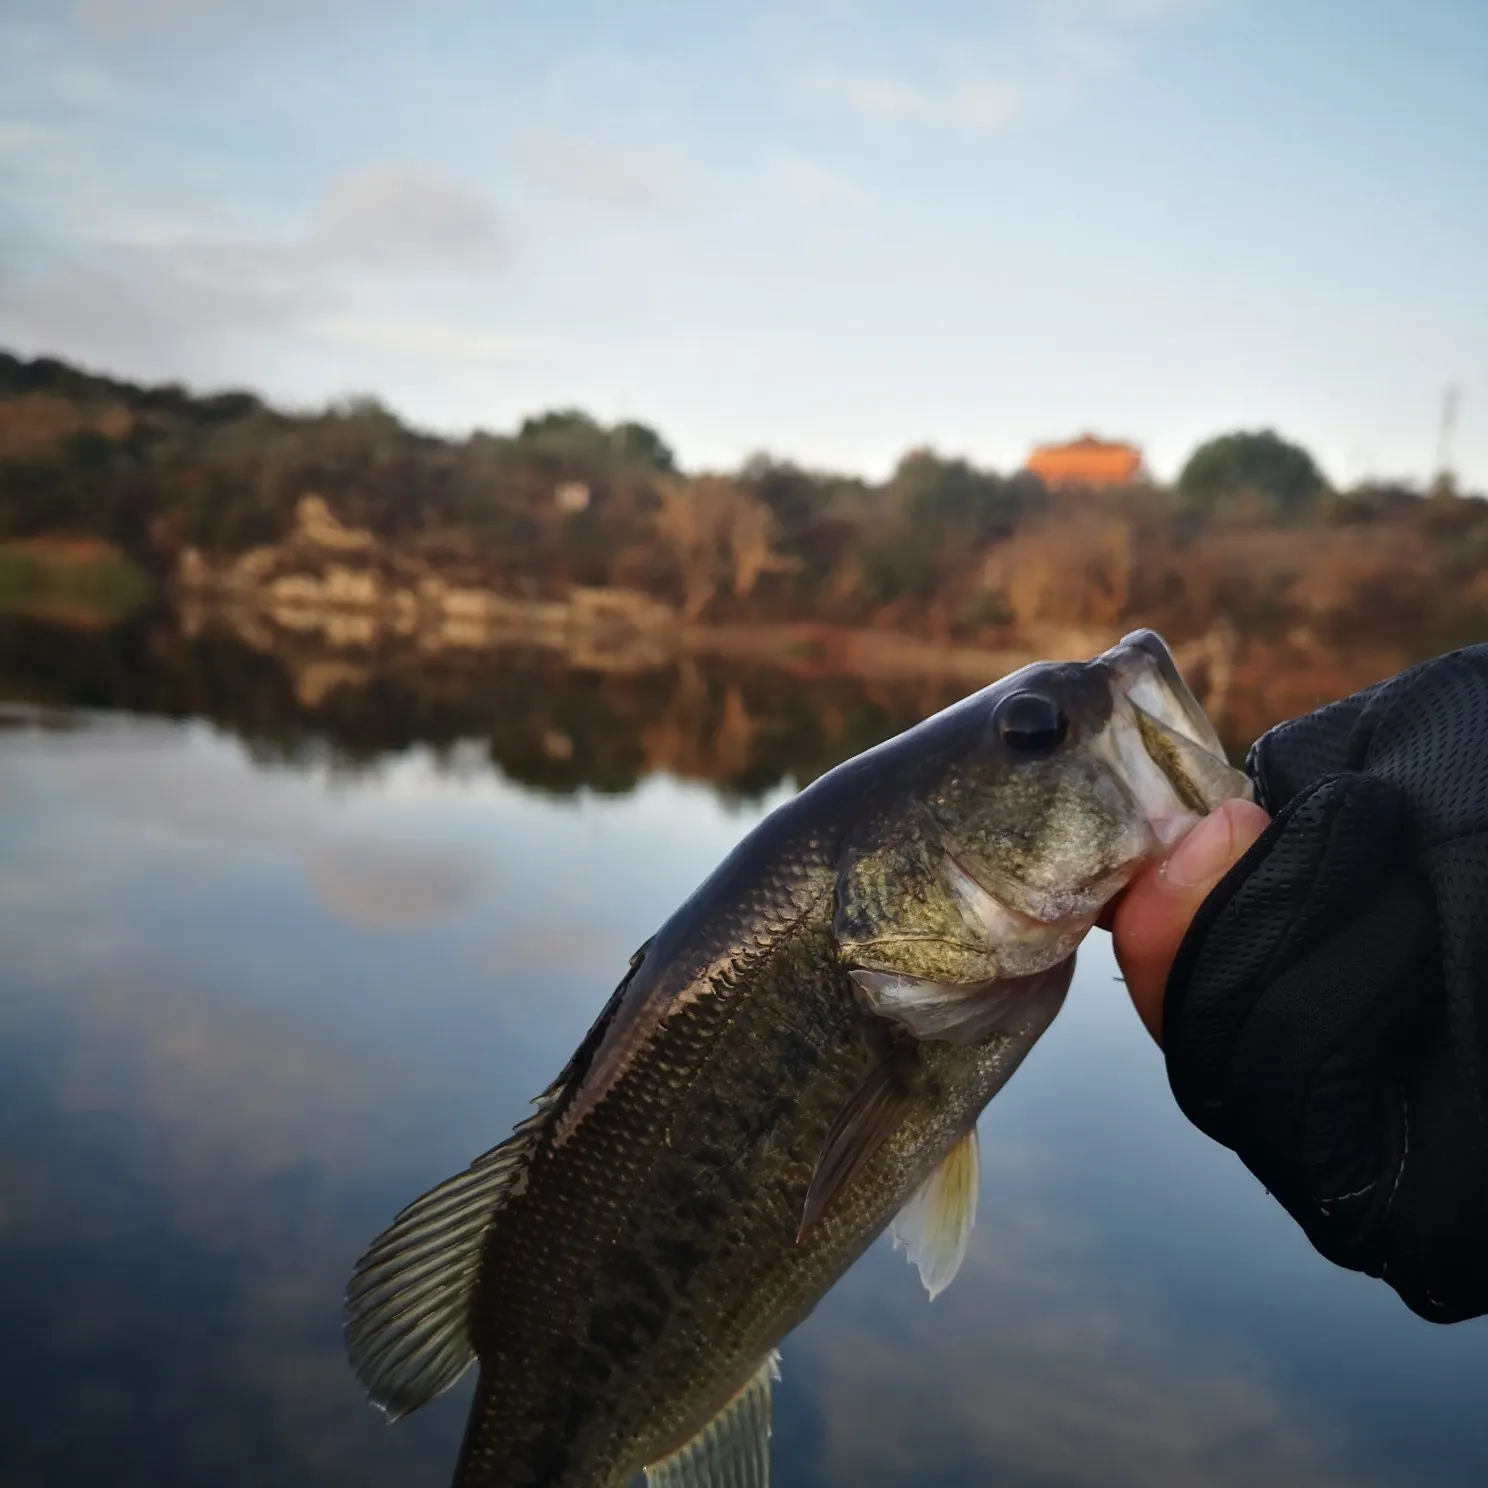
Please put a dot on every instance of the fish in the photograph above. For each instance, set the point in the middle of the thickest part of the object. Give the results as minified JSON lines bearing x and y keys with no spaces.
{"x":793,"y":1063}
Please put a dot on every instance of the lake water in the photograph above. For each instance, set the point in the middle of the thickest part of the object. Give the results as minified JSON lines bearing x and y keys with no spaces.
{"x":255,"y":996}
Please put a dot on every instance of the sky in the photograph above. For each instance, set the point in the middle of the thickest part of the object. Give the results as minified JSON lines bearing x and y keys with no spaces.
{"x":827,"y":229}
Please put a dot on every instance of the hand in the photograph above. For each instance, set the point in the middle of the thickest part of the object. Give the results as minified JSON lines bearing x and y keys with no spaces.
{"x":1326,"y":1012}
{"x":1153,"y":915}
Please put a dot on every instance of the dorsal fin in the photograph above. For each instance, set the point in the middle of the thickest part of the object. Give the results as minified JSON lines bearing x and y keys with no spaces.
{"x":407,"y":1313}
{"x":733,"y":1449}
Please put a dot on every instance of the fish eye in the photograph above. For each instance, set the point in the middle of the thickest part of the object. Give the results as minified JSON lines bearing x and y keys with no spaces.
{"x":1031,"y":723}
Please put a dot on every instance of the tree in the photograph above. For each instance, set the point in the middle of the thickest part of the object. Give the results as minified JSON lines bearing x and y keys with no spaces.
{"x":640,"y":444}
{"x":720,"y":535}
{"x":573,"y":433}
{"x":559,"y":426}
{"x":1259,"y":467}
{"x":937,"y":513}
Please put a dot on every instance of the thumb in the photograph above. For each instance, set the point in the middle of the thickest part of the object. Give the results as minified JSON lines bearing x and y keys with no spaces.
{"x":1154,"y":914}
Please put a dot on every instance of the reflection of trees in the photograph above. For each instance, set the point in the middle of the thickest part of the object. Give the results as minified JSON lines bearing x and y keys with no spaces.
{"x":559,"y":727}
{"x":548,"y":725}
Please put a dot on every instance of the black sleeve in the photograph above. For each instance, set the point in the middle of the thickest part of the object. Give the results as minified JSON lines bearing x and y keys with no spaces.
{"x":1327,"y":1014}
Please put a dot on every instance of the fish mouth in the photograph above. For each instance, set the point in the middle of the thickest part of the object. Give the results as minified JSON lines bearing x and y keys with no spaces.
{"x":1160,"y":743}
{"x":1143,"y":668}
{"x":1164,"y":761}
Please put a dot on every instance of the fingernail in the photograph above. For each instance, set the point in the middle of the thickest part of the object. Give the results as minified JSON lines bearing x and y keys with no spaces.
{"x":1204,"y":855}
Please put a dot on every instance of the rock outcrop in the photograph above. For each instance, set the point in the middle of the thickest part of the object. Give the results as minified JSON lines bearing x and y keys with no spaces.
{"x":354,"y":591}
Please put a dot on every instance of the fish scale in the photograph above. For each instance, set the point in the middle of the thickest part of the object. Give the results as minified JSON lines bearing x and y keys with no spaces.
{"x":755,"y":1259}
{"x":754,"y":1277}
{"x":798,"y":1055}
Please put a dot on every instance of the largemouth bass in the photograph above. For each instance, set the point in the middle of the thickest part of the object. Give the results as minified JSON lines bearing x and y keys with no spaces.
{"x":796,"y":1059}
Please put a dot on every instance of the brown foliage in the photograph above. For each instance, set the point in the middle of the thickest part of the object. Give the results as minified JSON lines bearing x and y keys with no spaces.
{"x":1100,"y":569}
{"x":941,"y":549}
{"x":35,"y":422}
{"x":720,"y":536}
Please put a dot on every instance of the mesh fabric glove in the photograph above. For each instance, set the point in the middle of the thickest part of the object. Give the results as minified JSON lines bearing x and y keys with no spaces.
{"x":1327,"y":1014}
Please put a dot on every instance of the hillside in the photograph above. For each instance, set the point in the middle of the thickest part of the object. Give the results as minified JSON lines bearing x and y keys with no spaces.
{"x":212,"y":490}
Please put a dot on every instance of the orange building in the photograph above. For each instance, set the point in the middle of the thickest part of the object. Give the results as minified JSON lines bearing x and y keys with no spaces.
{"x":1086,"y":461}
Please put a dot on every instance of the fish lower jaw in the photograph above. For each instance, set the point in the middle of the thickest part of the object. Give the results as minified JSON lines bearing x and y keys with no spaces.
{"x":1041,"y":919}
{"x":1056,"y":941}
{"x":1023,"y":940}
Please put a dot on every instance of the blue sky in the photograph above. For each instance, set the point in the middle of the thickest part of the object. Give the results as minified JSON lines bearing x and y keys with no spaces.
{"x":832,"y":229}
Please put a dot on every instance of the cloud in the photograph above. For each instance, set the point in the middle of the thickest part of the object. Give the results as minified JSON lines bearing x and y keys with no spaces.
{"x":1119,"y":10}
{"x":156,"y":313}
{"x":812,"y":185}
{"x":136,"y":21}
{"x":605,"y":174}
{"x":968,"y":100}
{"x":1042,"y":1371}
{"x":983,"y":84}
{"x":177,"y":302}
{"x":399,"y":216}
{"x":390,"y":887}
{"x":368,"y":876}
{"x":108,"y":304}
{"x":224,"y":1093}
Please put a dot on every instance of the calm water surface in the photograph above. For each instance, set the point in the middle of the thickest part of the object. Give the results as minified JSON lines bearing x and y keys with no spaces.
{"x":249,"y":1008}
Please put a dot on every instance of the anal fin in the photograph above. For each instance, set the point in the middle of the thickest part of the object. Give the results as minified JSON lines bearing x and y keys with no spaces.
{"x":934,"y":1227}
{"x":733,"y":1449}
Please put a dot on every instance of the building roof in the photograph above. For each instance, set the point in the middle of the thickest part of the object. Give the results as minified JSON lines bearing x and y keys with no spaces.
{"x":1086,"y":460}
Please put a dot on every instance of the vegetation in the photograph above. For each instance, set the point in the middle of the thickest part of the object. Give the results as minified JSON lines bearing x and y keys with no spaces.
{"x":1296,"y":592}
{"x":1250,"y":534}
{"x":80,"y":580}
{"x":1277,"y":480}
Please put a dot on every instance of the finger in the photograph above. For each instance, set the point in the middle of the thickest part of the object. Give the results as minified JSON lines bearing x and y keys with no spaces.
{"x":1149,"y":923}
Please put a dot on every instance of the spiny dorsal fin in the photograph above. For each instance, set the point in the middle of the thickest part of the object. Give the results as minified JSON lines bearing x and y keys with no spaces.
{"x":733,"y":1449}
{"x":407,"y":1314}
{"x":934,"y":1227}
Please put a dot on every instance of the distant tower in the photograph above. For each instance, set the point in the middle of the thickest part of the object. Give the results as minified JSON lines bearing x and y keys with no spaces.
{"x":1450,"y":400}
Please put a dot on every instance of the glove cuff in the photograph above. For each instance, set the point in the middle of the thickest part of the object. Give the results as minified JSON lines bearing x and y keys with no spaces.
{"x":1310,"y":874}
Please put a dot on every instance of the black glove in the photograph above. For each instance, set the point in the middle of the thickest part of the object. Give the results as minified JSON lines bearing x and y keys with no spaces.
{"x":1327,"y":1013}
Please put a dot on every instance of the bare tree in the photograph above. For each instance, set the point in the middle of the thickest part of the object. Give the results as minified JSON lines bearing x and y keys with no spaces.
{"x":721,"y":537}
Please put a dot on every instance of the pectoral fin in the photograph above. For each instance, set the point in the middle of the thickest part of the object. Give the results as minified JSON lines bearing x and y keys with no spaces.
{"x":961,"y":1012}
{"x":934,"y":1227}
{"x":733,"y":1449}
{"x":862,"y":1126}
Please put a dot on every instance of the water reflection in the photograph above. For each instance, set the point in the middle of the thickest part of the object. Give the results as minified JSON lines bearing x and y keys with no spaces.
{"x":746,"y":728}
{"x":247,"y":1011}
